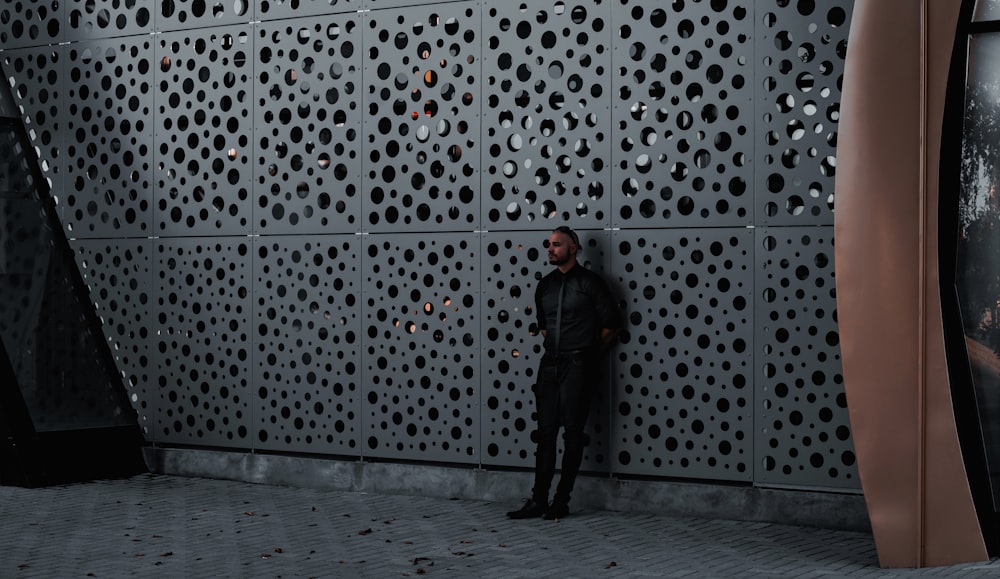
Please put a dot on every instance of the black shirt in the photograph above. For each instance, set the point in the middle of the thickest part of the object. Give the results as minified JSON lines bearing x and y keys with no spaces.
{"x":587,"y":308}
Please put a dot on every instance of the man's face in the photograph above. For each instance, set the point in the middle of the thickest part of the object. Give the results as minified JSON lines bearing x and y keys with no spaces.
{"x":561,"y":248}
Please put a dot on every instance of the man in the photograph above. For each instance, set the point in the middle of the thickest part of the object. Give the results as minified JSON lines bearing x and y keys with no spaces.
{"x":578,"y":318}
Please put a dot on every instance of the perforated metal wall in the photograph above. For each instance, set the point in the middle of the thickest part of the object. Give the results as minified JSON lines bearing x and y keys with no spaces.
{"x":422,"y":118}
{"x":31,"y":22}
{"x":307,"y":344}
{"x":118,"y":274}
{"x":546,"y":124}
{"x":190,"y":14}
{"x":683,"y":114}
{"x":799,"y":436}
{"x":683,"y":374}
{"x":421,"y":346}
{"x":340,"y":207}
{"x":108,"y":138}
{"x":280,"y":9}
{"x":87,"y":19}
{"x":204,"y":130}
{"x":40,"y":91}
{"x":202,"y":340}
{"x":307,"y":121}
{"x":61,"y":377}
{"x":800,"y":51}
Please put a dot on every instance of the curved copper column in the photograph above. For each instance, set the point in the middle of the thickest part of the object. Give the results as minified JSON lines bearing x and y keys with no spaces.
{"x":889,"y":307}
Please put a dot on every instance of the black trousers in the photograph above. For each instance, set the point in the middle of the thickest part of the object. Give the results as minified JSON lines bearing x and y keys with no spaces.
{"x":563,"y":393}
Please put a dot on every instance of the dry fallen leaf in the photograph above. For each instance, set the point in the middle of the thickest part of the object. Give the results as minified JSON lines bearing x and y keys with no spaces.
{"x":611,"y":564}
{"x":365,"y":532}
{"x":278,"y":550}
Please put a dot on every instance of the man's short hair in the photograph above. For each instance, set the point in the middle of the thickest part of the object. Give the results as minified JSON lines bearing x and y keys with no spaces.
{"x":572,"y":235}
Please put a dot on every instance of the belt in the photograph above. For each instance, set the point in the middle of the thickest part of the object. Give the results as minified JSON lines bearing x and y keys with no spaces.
{"x":565,"y":355}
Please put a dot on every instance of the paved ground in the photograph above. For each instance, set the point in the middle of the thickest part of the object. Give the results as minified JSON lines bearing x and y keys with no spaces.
{"x":167,"y":526}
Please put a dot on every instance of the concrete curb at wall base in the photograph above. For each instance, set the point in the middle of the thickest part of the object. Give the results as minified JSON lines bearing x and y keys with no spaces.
{"x":830,"y":510}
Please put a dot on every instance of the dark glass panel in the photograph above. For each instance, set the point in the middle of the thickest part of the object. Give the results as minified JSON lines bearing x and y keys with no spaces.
{"x":978,"y":266}
{"x":987,"y":10}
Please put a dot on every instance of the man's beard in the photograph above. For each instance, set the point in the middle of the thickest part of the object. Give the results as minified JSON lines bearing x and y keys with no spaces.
{"x":557,"y":261}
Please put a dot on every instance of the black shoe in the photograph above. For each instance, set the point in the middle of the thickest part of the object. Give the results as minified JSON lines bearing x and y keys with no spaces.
{"x":556,"y":511}
{"x":530,"y":510}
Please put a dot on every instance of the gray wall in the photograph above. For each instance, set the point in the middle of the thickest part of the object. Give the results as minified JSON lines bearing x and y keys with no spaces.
{"x":316,"y":227}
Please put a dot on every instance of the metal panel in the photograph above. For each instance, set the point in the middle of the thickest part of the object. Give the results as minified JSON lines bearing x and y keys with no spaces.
{"x":281,"y":9}
{"x":420,"y":174}
{"x":421,"y":347}
{"x":92,"y":19}
{"x":307,"y":364}
{"x":201,"y":299}
{"x":800,"y":72}
{"x":40,"y":89}
{"x":803,"y":436}
{"x":684,"y":379}
{"x":119,"y":277}
{"x":546,"y":110}
{"x":382,"y":4}
{"x":307,"y":124}
{"x":108,"y":153}
{"x":512,"y":265}
{"x":421,"y":146}
{"x":682,"y":114}
{"x":192,"y":14}
{"x":31,"y":23}
{"x":204,"y":132}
